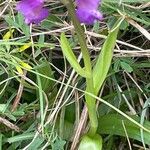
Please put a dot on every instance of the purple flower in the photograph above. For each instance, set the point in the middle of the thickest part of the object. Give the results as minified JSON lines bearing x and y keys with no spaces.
{"x":32,"y":10}
{"x":87,"y":11}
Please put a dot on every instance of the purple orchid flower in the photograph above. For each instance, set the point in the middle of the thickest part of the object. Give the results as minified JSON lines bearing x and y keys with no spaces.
{"x":32,"y":10}
{"x":87,"y":11}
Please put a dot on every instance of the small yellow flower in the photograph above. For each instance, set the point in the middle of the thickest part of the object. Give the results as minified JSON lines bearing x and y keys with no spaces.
{"x":24,"y":47}
{"x":20,"y":71}
{"x":8,"y":34}
{"x":25,"y":65}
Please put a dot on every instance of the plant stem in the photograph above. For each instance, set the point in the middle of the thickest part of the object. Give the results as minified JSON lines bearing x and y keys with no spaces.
{"x":90,"y":101}
{"x":80,"y":35}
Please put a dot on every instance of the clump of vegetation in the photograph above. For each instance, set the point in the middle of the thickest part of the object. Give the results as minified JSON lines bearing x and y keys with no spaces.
{"x":74,"y":75}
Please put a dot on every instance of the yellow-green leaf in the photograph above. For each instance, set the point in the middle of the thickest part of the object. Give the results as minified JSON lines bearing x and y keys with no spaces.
{"x":25,"y":65}
{"x":19,"y":70}
{"x":103,"y":63}
{"x":8,"y":34}
{"x":24,"y":47}
{"x":67,"y":51}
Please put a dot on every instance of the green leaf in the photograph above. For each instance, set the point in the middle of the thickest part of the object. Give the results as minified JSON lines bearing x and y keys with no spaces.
{"x":142,"y":120}
{"x":1,"y":138}
{"x":126,"y":66}
{"x":45,"y":69}
{"x":36,"y":143}
{"x":41,"y":99}
{"x":111,"y":7}
{"x":47,"y":85}
{"x":113,"y":124}
{"x":103,"y":62}
{"x":20,"y":19}
{"x":58,"y":144}
{"x":2,"y":107}
{"x":67,"y":51}
{"x":11,"y":22}
{"x":21,"y":137}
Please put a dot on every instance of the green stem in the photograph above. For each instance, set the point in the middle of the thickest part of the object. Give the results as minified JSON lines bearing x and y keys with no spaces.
{"x":80,"y":35}
{"x":91,"y":105}
{"x":90,"y":101}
